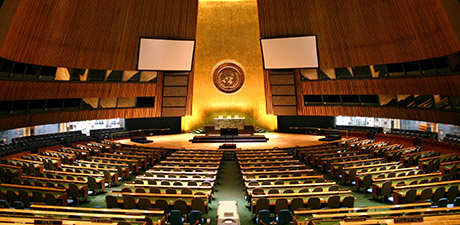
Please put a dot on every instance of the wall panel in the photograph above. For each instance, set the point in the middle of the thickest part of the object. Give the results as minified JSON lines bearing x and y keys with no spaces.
{"x":362,"y":32}
{"x":440,"y":85}
{"x":94,"y":34}
{"x":28,"y":90}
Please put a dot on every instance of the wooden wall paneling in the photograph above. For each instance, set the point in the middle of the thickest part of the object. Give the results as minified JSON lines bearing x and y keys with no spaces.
{"x":159,"y":94}
{"x":268,"y":92}
{"x":175,"y":92}
{"x":439,"y":85}
{"x":356,"y":32}
{"x":189,"y":103}
{"x":298,"y":91}
{"x":94,"y":34}
{"x":29,"y":90}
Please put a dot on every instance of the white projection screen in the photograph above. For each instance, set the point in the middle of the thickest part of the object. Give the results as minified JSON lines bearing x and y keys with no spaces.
{"x":165,"y":55}
{"x":290,"y":52}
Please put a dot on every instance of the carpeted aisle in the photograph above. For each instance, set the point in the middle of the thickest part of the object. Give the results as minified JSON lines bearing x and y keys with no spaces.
{"x":230,"y":187}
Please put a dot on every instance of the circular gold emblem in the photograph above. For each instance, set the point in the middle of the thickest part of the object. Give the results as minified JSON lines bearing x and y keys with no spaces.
{"x":228,"y":77}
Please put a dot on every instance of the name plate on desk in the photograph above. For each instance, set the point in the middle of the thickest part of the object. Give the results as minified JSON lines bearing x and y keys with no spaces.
{"x":354,"y":219}
{"x":407,"y":219}
{"x":101,"y":220}
{"x":48,"y":221}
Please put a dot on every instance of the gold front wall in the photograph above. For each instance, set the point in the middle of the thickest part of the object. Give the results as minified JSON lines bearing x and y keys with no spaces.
{"x":228,"y":31}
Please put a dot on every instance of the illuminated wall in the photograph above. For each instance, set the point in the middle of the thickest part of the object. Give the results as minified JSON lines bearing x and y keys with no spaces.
{"x":228,"y":31}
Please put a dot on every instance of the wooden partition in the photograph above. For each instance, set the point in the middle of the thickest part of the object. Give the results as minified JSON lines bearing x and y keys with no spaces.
{"x":29,"y":90}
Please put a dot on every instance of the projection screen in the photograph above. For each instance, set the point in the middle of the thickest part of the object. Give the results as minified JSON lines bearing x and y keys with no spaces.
{"x":290,"y":52}
{"x":165,"y":55}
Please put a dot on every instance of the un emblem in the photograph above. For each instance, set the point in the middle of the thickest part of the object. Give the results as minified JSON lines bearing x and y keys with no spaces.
{"x":228,"y":77}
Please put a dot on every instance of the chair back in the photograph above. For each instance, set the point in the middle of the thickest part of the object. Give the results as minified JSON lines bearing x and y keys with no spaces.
{"x":314,"y":203}
{"x":181,"y":205}
{"x":38,"y":197}
{"x":452,"y":193}
{"x":296,"y":203}
{"x":50,"y":199}
{"x":348,"y":202}
{"x":284,"y":217}
{"x":162,"y":204}
{"x":24,"y":197}
{"x":196,"y":217}
{"x":144,"y":204}
{"x":280,"y":204}
{"x":129,"y":202}
{"x":263,"y":217}
{"x":175,"y":217}
{"x":262,"y":203}
{"x":198,"y":204}
{"x":410,"y":196}
{"x":333,"y":202}
{"x":438,"y":194}
{"x":443,"y":202}
{"x":111,"y":201}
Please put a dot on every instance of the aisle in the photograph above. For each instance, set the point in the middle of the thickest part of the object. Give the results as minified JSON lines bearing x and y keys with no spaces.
{"x":230,"y":187}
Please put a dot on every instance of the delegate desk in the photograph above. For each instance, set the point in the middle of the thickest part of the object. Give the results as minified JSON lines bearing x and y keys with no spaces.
{"x":59,"y":194}
{"x":399,"y":192}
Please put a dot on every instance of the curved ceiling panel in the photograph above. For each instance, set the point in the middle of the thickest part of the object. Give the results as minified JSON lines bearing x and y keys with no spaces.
{"x":101,"y":34}
{"x":362,"y":32}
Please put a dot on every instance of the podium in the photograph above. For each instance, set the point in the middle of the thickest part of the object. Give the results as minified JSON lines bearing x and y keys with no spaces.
{"x":227,"y":213}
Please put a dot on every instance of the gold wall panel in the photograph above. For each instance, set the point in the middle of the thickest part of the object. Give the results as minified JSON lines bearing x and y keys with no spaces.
{"x":228,"y":31}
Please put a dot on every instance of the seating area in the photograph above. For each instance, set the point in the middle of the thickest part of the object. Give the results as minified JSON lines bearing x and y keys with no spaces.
{"x":47,"y":140}
{"x":276,"y":184}
{"x":181,"y":185}
{"x":301,"y":185}
{"x":390,"y":172}
{"x":452,"y":139}
{"x":414,"y":133}
{"x":102,"y":134}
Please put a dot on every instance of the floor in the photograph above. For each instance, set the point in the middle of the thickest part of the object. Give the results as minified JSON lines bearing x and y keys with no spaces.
{"x":279,"y":140}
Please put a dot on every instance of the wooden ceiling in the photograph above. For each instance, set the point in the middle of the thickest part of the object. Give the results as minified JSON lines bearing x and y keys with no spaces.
{"x":102,"y":34}
{"x":363,"y":32}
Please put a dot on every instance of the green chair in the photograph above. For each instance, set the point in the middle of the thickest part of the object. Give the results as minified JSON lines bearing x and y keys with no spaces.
{"x":263,"y":217}
{"x":176,"y":218}
{"x":196,"y":217}
{"x":284,"y":217}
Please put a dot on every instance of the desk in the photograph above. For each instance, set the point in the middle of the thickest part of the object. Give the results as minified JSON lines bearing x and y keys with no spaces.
{"x":227,"y":211}
{"x":229,"y":123}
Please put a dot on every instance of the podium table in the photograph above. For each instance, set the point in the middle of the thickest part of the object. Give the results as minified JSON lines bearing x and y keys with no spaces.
{"x":227,"y":213}
{"x":229,"y":123}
